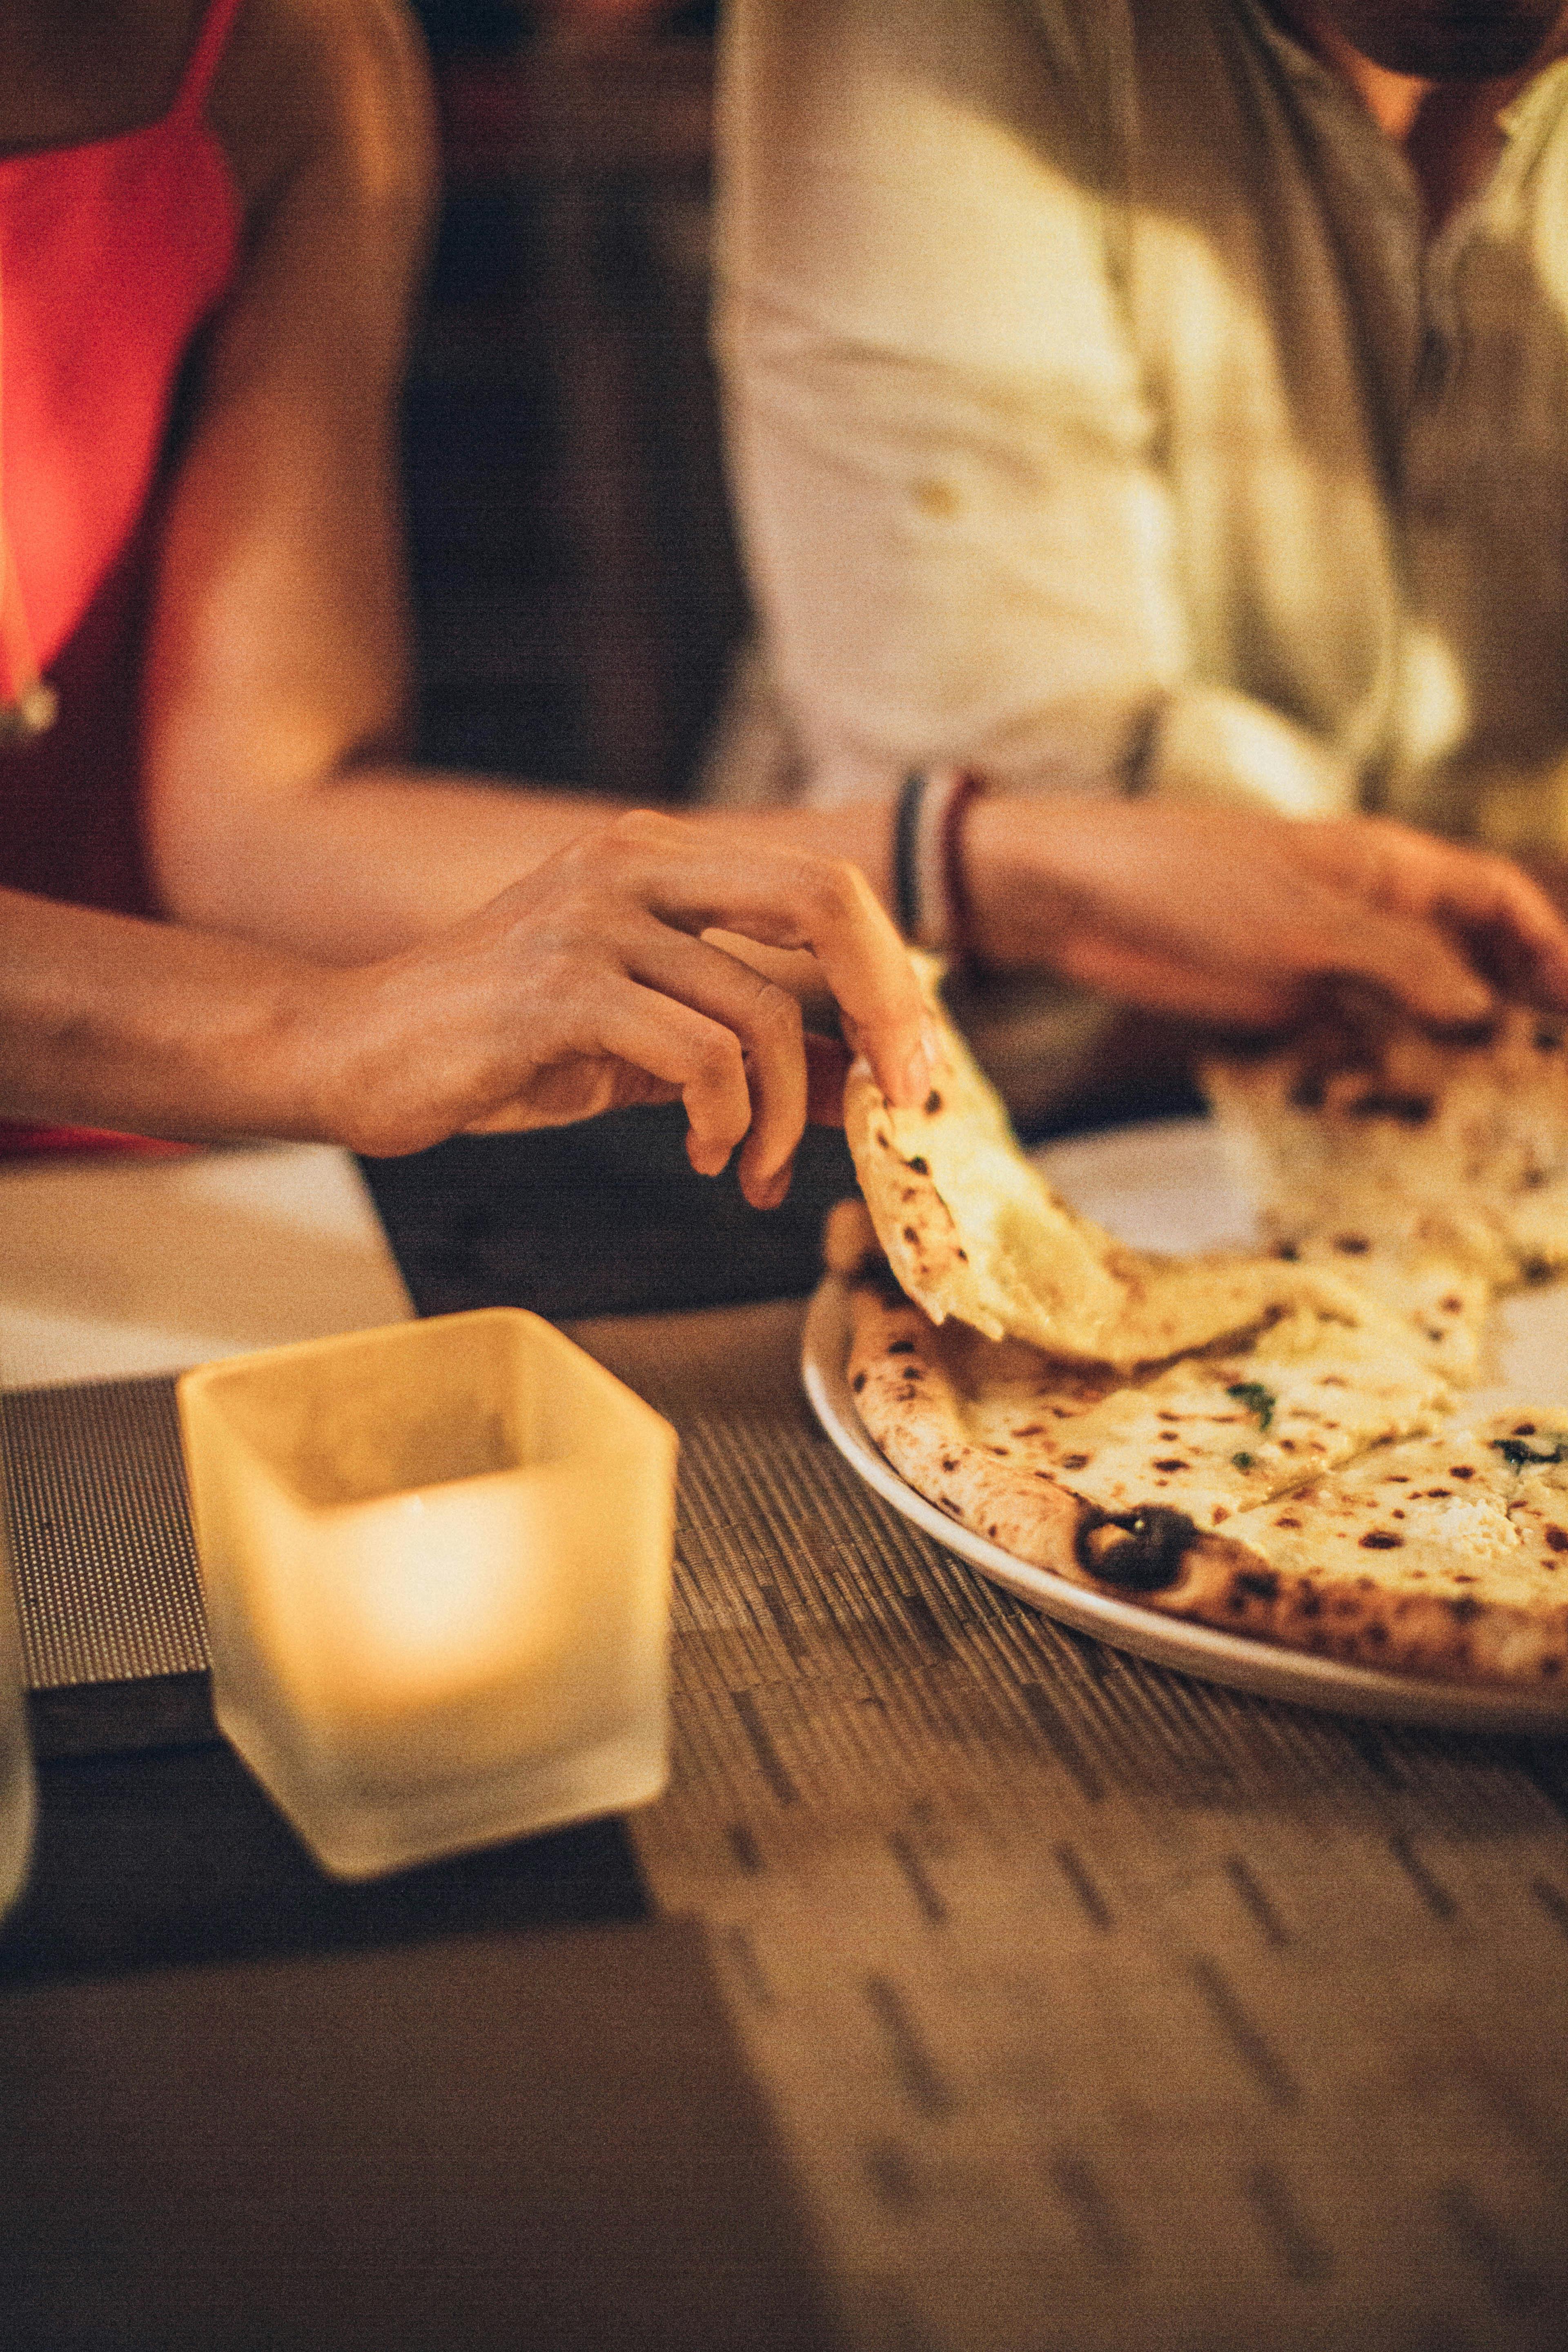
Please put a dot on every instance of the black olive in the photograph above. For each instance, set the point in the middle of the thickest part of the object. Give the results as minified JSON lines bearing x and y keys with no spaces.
{"x":1145,"y":1555}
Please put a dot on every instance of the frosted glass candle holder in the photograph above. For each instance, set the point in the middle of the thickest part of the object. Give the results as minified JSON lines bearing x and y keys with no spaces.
{"x":437,"y":1565}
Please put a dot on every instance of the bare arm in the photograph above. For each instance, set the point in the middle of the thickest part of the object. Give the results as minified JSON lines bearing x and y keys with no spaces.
{"x":280,"y":810}
{"x":589,"y":985}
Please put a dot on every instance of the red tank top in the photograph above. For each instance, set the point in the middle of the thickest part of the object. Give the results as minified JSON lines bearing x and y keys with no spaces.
{"x":113,"y":254}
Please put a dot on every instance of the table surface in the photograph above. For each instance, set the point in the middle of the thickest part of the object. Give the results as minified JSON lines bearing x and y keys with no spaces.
{"x":973,"y":1988}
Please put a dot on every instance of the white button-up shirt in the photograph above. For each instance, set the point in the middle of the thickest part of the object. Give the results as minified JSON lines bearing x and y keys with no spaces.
{"x":1097,"y":403}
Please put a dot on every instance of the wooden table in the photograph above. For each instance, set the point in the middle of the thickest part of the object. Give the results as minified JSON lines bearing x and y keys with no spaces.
{"x":973,"y":1988}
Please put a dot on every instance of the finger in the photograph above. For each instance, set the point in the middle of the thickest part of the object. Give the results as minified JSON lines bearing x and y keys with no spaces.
{"x":1316,"y":931}
{"x":576,"y":1088}
{"x":767,"y":1020}
{"x":869,"y":973}
{"x":1509,"y":924}
{"x":1511,"y":927}
{"x":700,"y":1058}
{"x":788,"y":899}
{"x":1417,"y":962}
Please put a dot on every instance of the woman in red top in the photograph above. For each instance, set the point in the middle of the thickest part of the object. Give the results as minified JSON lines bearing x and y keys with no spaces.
{"x":349,"y":950}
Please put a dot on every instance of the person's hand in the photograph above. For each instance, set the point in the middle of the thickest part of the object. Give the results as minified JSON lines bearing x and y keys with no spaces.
{"x":587,"y":986}
{"x":1231,"y":916}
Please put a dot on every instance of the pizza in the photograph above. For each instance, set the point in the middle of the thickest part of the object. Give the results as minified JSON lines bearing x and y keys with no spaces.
{"x":1273,"y":1443}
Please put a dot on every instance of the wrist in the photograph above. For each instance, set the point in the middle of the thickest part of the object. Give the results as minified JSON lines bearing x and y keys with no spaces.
{"x":1012,"y":900}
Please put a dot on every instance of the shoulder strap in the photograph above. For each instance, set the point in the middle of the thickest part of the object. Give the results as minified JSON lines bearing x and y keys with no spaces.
{"x":217,"y":26}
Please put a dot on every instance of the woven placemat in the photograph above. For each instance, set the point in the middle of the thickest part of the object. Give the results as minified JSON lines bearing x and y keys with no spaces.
{"x":113,"y":1636}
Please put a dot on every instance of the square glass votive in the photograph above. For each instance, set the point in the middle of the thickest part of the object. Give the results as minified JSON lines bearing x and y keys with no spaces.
{"x":436,"y":1567}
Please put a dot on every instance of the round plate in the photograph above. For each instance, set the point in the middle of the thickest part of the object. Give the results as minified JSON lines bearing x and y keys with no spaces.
{"x":1166,"y":1187}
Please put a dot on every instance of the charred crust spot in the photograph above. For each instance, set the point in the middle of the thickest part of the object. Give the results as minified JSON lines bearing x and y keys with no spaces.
{"x":1309,"y":1603}
{"x":912,"y":1236}
{"x":1002,"y":1450}
{"x":932,"y":1103}
{"x":1537,"y":1269}
{"x":1289,"y":1252}
{"x":1381,"y":1540}
{"x":884,"y":1142}
{"x":950,"y":1506}
{"x":1310,"y":1091}
{"x":1547,"y":1041}
{"x":1075,"y":1461}
{"x":1460,"y":1470}
{"x":1465,"y":1608}
{"x":1257,"y":1583}
{"x":1287,"y":1522}
{"x":1141,"y":1550}
{"x":918,"y":1165}
{"x":1556,"y":1538}
{"x":1173,"y":1462}
{"x":1452,"y":1305}
{"x":1522,"y":1429}
{"x":1439,"y":1493}
{"x":962,"y":1256}
{"x":1352,"y":1244}
{"x":1376,"y":1634}
{"x":1410,"y":1110}
{"x":900,"y":1346}
{"x":1030,"y":1428}
{"x":949,"y":1460}
{"x":859,"y":1383}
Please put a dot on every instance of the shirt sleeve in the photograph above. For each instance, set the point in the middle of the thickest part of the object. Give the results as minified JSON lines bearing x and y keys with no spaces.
{"x":944,"y":457}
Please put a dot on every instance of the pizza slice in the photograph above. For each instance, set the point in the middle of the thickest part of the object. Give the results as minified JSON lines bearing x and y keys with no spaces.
{"x":1371,"y":1125}
{"x":1208,"y":1436}
{"x":1444,"y":1556}
{"x":971,"y":1229}
{"x":1439,"y":1554}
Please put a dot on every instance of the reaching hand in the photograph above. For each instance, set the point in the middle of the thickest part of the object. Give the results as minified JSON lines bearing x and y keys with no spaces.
{"x":1228,"y":915}
{"x":587,"y":986}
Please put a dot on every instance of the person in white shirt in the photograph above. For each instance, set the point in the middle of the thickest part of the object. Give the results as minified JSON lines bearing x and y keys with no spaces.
{"x":1155,"y":396}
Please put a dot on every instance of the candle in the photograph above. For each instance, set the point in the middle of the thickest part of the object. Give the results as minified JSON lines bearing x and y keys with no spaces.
{"x":437,"y":1565}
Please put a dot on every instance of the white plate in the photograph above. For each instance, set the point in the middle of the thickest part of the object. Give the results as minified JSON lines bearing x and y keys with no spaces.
{"x":1166,"y":1187}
